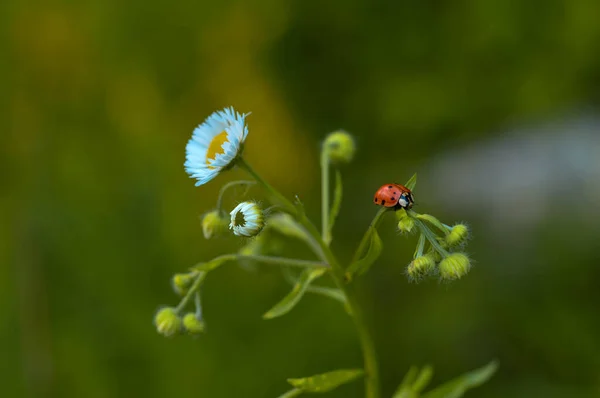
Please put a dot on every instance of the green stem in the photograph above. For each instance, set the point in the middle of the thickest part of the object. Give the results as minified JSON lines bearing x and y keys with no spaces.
{"x":226,"y":187}
{"x":420,"y":246}
{"x":292,"y":262}
{"x":289,"y":206}
{"x":430,"y":219}
{"x":431,"y":237}
{"x":325,"y":232}
{"x":292,"y":393}
{"x":193,"y":289}
{"x":366,"y":342}
{"x":366,"y":237}
{"x":198,"y":304}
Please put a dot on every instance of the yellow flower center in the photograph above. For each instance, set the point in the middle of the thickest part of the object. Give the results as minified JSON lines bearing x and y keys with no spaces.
{"x":216,"y":147}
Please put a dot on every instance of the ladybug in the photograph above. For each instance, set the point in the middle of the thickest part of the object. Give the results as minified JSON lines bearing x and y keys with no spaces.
{"x":394,"y":195}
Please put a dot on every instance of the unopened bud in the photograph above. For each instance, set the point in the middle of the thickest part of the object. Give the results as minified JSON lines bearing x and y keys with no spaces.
{"x":454,"y":266}
{"x":340,"y":147}
{"x":167,"y":321}
{"x":192,"y":323}
{"x":458,"y":235}
{"x":181,"y":283}
{"x":214,"y":223}
{"x":421,"y":267}
{"x":406,"y":224}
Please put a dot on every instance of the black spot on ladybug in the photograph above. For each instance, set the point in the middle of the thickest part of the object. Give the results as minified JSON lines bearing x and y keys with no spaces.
{"x":389,"y":186}
{"x":376,"y":200}
{"x":393,"y":198}
{"x":383,"y":202}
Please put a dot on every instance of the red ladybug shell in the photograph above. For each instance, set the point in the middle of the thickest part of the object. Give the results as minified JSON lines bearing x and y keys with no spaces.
{"x":389,"y":195}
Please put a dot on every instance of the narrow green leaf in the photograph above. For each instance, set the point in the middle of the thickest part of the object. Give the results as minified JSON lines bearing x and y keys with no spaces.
{"x":404,"y":389}
{"x":423,"y":379}
{"x":361,"y":266}
{"x":331,"y":292}
{"x":412,"y":182}
{"x":458,"y":386}
{"x":326,"y":381}
{"x":299,"y":205}
{"x":291,"y":394}
{"x":337,"y":202}
{"x":414,"y":382}
{"x":293,"y":297}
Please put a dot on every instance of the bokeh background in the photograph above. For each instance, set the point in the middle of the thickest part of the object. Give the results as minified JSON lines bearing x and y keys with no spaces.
{"x":494,"y":103}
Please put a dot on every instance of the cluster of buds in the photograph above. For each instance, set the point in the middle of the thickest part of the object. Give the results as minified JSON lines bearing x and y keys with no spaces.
{"x":245,"y":220}
{"x":439,"y":249}
{"x":169,"y":322}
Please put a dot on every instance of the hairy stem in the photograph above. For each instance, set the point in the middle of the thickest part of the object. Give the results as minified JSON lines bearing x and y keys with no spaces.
{"x":337,"y":271}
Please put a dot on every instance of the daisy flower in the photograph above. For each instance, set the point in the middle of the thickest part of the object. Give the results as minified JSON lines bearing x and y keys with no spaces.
{"x":215,"y":144}
{"x":247,"y":219}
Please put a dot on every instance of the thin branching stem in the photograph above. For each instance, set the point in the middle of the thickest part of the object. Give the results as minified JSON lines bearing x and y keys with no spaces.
{"x":225,"y":187}
{"x":337,"y":271}
{"x":281,"y":261}
{"x":193,"y":289}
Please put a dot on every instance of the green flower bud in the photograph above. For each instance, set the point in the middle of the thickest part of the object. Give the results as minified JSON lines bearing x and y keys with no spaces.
{"x":406,"y":224}
{"x":167,"y":321}
{"x":421,"y":267}
{"x":247,"y":219}
{"x":340,"y":147}
{"x":458,"y":235}
{"x":192,"y":323}
{"x":455,"y":266}
{"x":401,"y":213}
{"x":214,"y":223}
{"x":181,"y":283}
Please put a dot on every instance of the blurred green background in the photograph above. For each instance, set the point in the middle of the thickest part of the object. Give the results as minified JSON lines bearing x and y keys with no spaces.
{"x":494,"y":103}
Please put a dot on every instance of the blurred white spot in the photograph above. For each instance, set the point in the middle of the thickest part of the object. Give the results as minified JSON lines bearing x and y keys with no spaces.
{"x":518,"y":178}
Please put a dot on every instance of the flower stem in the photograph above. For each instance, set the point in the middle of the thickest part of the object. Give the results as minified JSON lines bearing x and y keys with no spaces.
{"x":367,"y":345}
{"x":226,"y":187}
{"x":431,"y":237}
{"x":325,"y":232}
{"x":289,"y":206}
{"x":193,"y":289}
{"x":366,"y":342}
{"x":200,"y":275}
{"x":292,"y":262}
